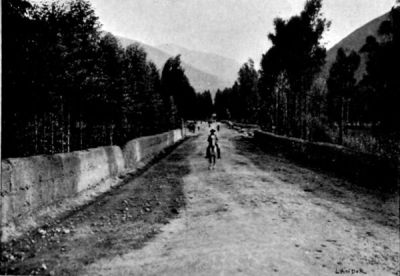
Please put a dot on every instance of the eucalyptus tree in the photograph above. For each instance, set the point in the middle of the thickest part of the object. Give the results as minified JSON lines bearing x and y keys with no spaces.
{"x":341,"y":86}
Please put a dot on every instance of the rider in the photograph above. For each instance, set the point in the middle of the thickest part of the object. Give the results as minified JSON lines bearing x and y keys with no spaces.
{"x":213,"y":141}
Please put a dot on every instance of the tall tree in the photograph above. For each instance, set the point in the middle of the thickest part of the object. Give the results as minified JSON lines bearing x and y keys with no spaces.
{"x":341,"y":86}
{"x":248,"y":93}
{"x":68,"y":86}
{"x":298,"y":53}
{"x":175,"y":83}
{"x":271,"y":90}
{"x":107,"y":101}
{"x":382,"y":80}
{"x":153,"y":102}
{"x":204,"y":105}
{"x":16,"y":99}
{"x":135,"y":70}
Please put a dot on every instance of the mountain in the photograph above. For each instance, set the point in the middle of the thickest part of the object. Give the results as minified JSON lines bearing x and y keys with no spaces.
{"x":223,"y":67}
{"x":355,"y":41}
{"x":199,"y":79}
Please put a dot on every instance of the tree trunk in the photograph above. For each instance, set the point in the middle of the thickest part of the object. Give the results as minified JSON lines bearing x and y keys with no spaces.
{"x":306,"y":121}
{"x":80,"y":132}
{"x":36,"y":134}
{"x":68,"y":132}
{"x":347,"y":116}
{"x":52,"y":118}
{"x":61,"y":120}
{"x":43,"y":140}
{"x":276,"y":119}
{"x":111,"y":134}
{"x":341,"y":115}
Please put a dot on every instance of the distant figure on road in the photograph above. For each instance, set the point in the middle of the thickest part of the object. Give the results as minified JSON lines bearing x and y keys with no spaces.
{"x":218,"y":127}
{"x":192,"y":127}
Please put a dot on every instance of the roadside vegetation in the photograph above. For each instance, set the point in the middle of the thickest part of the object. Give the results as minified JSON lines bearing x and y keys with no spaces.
{"x":290,"y":96}
{"x":67,"y":85}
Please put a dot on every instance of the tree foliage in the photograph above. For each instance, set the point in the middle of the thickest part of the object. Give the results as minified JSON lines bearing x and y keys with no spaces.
{"x":341,"y":87}
{"x":381,"y":83}
{"x":204,"y":106}
{"x":69,"y":86}
{"x":293,"y":98}
{"x":278,"y":97}
{"x":290,"y":66}
{"x":382,"y":79}
{"x":175,"y":83}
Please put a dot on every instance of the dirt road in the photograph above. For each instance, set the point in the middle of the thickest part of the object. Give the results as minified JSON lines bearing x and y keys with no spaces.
{"x":260,"y":215}
{"x":255,"y":214}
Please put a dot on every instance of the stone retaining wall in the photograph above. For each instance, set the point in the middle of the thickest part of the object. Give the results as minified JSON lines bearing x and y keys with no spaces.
{"x":364,"y":169}
{"x":31,"y":183}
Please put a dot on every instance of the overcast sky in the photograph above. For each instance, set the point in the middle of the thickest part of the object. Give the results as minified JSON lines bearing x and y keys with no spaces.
{"x":234,"y":28}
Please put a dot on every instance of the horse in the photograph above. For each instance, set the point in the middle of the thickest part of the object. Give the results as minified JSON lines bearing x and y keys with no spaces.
{"x":212,"y":156}
{"x":213,"y":150}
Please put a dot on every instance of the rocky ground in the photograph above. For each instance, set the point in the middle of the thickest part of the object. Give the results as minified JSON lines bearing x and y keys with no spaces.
{"x":115,"y":223}
{"x":255,"y":214}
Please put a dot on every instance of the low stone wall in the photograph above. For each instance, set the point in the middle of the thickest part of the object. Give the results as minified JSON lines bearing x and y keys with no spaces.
{"x":253,"y":126}
{"x":144,"y":148}
{"x":364,"y":169}
{"x":31,"y":183}
{"x":241,"y":127}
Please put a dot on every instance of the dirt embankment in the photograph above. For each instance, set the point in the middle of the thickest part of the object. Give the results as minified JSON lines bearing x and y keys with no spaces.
{"x":123,"y":219}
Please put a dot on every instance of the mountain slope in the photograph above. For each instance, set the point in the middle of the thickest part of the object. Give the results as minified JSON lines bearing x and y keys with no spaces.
{"x":199,"y":79}
{"x":222,"y":67}
{"x":355,"y":41}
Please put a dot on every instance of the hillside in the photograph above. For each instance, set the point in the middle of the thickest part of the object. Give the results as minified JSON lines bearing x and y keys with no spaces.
{"x":355,"y":41}
{"x":223,"y":67}
{"x":199,"y":79}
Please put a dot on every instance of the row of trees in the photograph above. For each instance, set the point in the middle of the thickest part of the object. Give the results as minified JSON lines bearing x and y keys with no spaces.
{"x":375,"y":99}
{"x":242,"y":101}
{"x":278,"y":96}
{"x":190,"y":105}
{"x":69,"y":86}
{"x":290,"y":96}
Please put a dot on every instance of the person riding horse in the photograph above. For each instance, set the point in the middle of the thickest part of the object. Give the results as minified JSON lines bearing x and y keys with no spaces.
{"x":213,"y":142}
{"x":212,"y":149}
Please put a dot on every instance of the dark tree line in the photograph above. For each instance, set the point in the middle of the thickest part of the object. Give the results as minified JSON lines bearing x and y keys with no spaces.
{"x":373,"y":102}
{"x":204,"y":106}
{"x":382,"y":79}
{"x":69,"y":86}
{"x":341,"y":86}
{"x":241,"y":101}
{"x":278,"y":96}
{"x":289,"y":95}
{"x":190,"y":105}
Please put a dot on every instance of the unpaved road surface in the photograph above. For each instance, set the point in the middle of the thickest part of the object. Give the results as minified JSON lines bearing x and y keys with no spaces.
{"x":255,"y":214}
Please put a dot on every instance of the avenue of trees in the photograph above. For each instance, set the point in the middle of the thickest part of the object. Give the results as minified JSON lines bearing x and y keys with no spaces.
{"x":69,"y":86}
{"x":290,"y":96}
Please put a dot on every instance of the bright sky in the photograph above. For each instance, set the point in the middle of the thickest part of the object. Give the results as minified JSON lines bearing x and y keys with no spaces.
{"x":234,"y":28}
